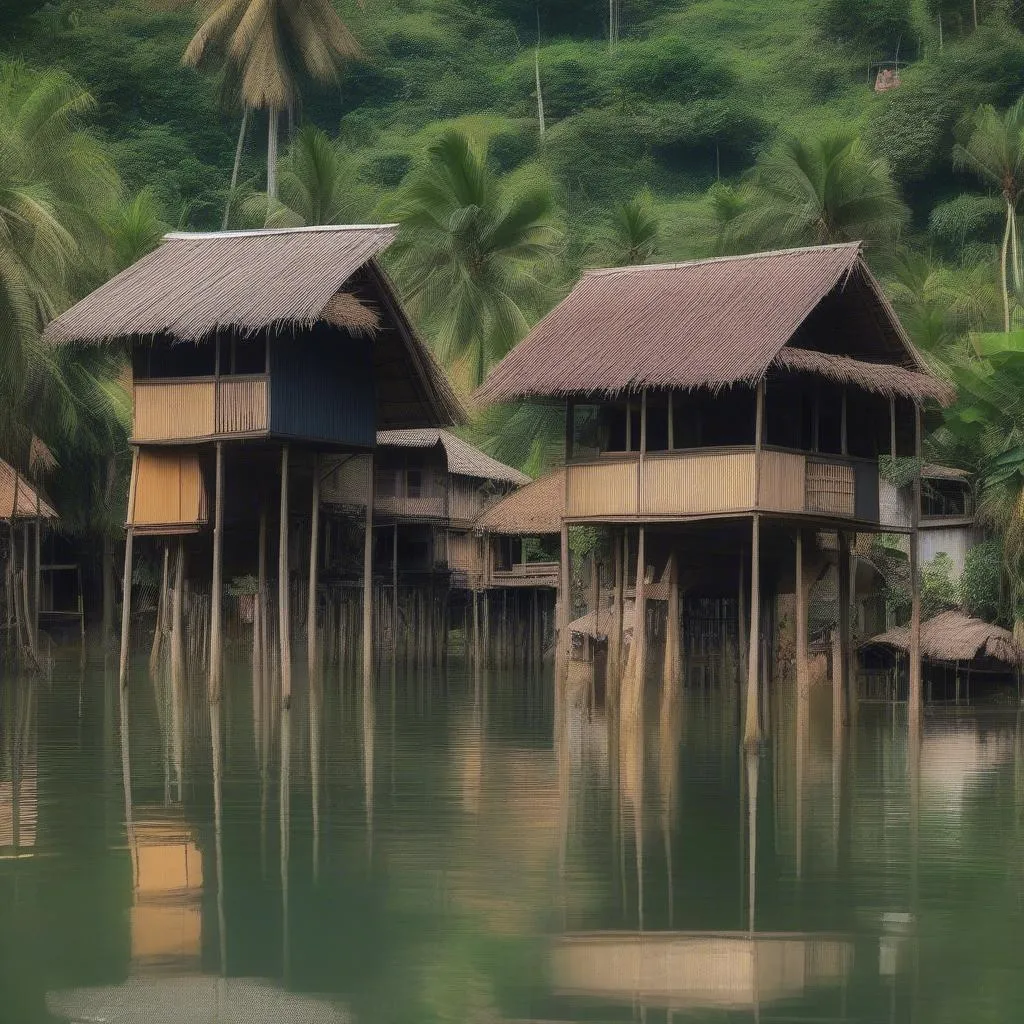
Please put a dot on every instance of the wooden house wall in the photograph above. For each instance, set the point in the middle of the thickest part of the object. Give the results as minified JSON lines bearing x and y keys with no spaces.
{"x":322,"y":387}
{"x":170,"y":495}
{"x":468,"y":497}
{"x":465,"y":556}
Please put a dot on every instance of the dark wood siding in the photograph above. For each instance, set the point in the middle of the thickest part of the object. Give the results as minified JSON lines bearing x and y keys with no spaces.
{"x":322,"y":387}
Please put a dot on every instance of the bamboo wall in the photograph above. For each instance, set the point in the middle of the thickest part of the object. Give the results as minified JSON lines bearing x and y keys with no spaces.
{"x":170,"y":496}
{"x":190,"y":410}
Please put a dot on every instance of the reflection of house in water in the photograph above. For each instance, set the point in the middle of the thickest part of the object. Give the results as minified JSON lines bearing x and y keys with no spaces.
{"x":19,"y":792}
{"x":166,"y":918}
{"x":689,"y":970}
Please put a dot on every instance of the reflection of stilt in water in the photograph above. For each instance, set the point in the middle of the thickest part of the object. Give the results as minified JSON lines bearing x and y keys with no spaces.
{"x":631,"y":777}
{"x":126,"y":781}
{"x":258,"y":635}
{"x":753,"y":764}
{"x":670,"y":724}
{"x":838,"y":753}
{"x":368,"y":766}
{"x":285,"y":808}
{"x":19,"y":814}
{"x":316,"y":700}
{"x":914,"y":779}
{"x":217,"y":753}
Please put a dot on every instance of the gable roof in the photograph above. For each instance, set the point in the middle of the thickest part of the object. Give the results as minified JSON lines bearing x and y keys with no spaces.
{"x":463,"y":458}
{"x":534,"y":510}
{"x":707,"y":323}
{"x":11,"y":481}
{"x":275,"y":279}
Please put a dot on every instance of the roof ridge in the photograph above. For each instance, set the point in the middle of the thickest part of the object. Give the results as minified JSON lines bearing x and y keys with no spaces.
{"x":611,"y":271}
{"x":249,"y":232}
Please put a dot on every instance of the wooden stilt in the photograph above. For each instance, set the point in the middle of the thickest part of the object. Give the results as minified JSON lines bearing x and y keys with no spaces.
{"x":312,"y":651}
{"x":37,"y":576}
{"x":752,"y":724}
{"x":615,"y":633}
{"x":284,"y":623}
{"x":564,"y":605}
{"x":126,"y":593}
{"x":742,"y":625}
{"x":672,"y":679}
{"x":632,"y":689}
{"x":217,"y":586}
{"x":840,"y":682}
{"x":30,"y":637}
{"x":914,"y":694}
{"x":161,"y":614}
{"x":802,"y":666}
{"x":368,"y":581}
{"x":394,"y":588}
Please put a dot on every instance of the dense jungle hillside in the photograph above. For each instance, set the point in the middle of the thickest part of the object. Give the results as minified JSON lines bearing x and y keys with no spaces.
{"x":691,"y":91}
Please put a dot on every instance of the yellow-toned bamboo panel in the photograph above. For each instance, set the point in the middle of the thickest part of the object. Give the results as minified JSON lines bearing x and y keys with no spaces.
{"x":782,"y":485}
{"x":692,"y":484}
{"x":170,"y":496}
{"x":173,"y":411}
{"x":242,"y":405}
{"x":831,"y":488}
{"x":602,"y":489}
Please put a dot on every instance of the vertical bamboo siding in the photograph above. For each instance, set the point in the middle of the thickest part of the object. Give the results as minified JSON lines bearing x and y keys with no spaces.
{"x":830,"y":488}
{"x":169,"y":492}
{"x":242,"y":405}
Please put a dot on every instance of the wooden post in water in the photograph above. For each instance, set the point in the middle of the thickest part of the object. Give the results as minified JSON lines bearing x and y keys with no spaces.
{"x":614,"y":672}
{"x":312,"y":652}
{"x":564,"y":614}
{"x":752,"y":724}
{"x":368,"y":581}
{"x":394,"y":589}
{"x":126,"y":590}
{"x":802,"y":666}
{"x":284,"y":623}
{"x":161,"y":614}
{"x":914,"y":694}
{"x":672,"y":679}
{"x":840,"y":667}
{"x":217,"y":586}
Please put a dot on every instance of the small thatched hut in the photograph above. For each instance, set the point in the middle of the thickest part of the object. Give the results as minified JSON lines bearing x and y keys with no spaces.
{"x":955,"y":647}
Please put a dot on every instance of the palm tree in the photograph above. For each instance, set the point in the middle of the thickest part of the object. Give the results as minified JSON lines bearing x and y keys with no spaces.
{"x":822,"y":191}
{"x":55,"y":185}
{"x":631,"y":234}
{"x":262,"y":44}
{"x":472,"y":254}
{"x":319,"y":184}
{"x":134,"y":228}
{"x":992,"y":146}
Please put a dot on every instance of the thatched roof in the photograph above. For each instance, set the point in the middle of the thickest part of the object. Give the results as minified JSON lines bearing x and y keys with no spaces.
{"x":11,"y":481}
{"x":932,"y":472}
{"x":274,"y":280}
{"x":954,"y":636}
{"x":535,"y":510}
{"x":714,"y":323}
{"x":195,"y":283}
{"x":463,"y":458}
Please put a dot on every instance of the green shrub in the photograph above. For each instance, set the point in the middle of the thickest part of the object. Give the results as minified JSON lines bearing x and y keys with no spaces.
{"x":667,"y":68}
{"x":939,"y":590}
{"x":876,"y":27}
{"x":981,"y":581}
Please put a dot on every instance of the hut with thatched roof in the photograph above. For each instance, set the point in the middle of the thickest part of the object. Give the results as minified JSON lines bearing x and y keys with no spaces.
{"x":956,"y":648}
{"x":739,"y":396}
{"x":278,"y":347}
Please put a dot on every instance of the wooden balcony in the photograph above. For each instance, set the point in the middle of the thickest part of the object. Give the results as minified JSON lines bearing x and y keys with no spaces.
{"x":698,"y":483}
{"x":199,"y":409}
{"x":526,"y":574}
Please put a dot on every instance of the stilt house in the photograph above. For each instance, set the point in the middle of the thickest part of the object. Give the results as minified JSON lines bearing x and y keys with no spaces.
{"x":429,"y":488}
{"x":246,"y":348}
{"x":721,"y":408}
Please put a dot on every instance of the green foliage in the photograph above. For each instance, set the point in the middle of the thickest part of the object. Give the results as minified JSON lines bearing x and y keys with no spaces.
{"x":981,"y":581}
{"x":899,"y":471}
{"x":876,"y":27}
{"x":939,"y":588}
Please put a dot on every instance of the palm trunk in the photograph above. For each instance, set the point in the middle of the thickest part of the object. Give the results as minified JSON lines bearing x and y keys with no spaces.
{"x":234,"y":170}
{"x":974,"y":11}
{"x":1002,"y":267}
{"x":540,"y":94}
{"x":272,"y":154}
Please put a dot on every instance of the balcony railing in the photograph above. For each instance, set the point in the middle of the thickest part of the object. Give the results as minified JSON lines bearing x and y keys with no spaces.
{"x":721,"y":482}
{"x":200,"y":408}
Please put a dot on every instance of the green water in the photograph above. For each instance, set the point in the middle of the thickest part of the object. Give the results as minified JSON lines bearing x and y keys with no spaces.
{"x":436,"y":854}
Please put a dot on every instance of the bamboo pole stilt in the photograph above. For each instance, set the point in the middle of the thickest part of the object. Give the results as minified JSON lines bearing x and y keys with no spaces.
{"x":840,"y":667}
{"x":126,"y":593}
{"x":673,"y":670}
{"x":914,"y":694}
{"x":217,"y":584}
{"x":284,"y":624}
{"x":37,"y":577}
{"x":161,"y":613}
{"x":802,"y":666}
{"x":752,"y":724}
{"x":314,"y":563}
{"x":368,"y":582}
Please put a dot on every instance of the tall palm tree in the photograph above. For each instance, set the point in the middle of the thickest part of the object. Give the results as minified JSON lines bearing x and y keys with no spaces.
{"x":263,"y":43}
{"x":821,"y":191}
{"x":992,"y":146}
{"x":319,"y":184}
{"x":472,"y":254}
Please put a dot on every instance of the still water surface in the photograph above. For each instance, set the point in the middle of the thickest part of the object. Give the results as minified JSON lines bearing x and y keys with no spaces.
{"x":438,"y":854}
